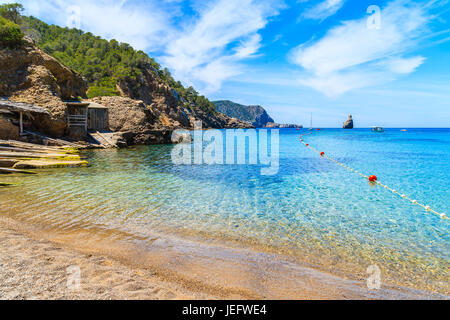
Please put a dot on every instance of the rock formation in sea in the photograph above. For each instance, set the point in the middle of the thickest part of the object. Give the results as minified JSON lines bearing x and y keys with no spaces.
{"x":349,"y":123}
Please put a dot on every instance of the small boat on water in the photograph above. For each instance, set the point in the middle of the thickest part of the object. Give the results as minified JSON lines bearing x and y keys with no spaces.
{"x":377,"y":129}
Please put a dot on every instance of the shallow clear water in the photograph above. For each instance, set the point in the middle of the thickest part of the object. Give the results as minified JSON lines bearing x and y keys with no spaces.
{"x":312,"y":209}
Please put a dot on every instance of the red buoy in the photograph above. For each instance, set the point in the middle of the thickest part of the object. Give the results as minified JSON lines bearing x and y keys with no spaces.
{"x":307,"y":144}
{"x":373,"y":178}
{"x":318,"y":129}
{"x":322,"y":153}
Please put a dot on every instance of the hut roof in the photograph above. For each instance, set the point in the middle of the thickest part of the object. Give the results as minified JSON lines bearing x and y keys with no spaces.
{"x":21,"y":107}
{"x":90,"y":105}
{"x":76,"y":104}
{"x":94,"y":105}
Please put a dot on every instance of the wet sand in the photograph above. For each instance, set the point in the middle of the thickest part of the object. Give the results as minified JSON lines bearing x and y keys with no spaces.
{"x":33,"y":265}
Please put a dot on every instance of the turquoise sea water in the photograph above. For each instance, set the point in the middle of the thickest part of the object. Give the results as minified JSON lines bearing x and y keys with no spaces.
{"x":312,"y":209}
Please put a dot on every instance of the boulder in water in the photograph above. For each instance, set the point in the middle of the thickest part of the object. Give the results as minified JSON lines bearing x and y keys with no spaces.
{"x":349,"y":123}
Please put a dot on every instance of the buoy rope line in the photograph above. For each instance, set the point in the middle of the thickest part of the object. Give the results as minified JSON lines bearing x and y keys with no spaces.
{"x":372,"y":179}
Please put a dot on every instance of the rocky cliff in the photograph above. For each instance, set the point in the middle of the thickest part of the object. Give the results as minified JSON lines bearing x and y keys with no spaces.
{"x":255,"y":115}
{"x":167,"y":109}
{"x":27,"y":74}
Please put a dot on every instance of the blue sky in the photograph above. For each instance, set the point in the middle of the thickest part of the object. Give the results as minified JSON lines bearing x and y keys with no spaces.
{"x":384,"y":62}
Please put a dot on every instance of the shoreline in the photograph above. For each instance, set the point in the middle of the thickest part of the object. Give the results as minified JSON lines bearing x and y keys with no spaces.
{"x":34,"y":266}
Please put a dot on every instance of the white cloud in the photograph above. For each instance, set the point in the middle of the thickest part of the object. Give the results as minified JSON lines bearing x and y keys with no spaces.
{"x":208,"y":50}
{"x":352,"y":55}
{"x":248,"y":47}
{"x":323,"y":10}
{"x":402,"y":65}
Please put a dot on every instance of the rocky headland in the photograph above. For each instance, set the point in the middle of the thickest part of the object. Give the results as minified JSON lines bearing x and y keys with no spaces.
{"x":255,"y":115}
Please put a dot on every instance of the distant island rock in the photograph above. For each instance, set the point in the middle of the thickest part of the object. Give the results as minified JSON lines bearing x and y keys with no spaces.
{"x":253,"y":114}
{"x":349,"y":123}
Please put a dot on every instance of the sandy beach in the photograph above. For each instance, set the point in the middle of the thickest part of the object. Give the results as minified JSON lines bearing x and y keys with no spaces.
{"x":37,"y":269}
{"x":35,"y":266}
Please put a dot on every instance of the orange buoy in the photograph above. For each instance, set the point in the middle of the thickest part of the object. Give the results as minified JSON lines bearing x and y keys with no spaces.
{"x":373,"y":178}
{"x":322,"y":153}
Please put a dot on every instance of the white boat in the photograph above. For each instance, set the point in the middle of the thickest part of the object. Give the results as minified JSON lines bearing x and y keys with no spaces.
{"x":310,"y":125}
{"x":377,"y":129}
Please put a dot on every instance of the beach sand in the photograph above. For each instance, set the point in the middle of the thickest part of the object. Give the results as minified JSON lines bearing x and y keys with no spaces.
{"x":34,"y":265}
{"x":37,"y":269}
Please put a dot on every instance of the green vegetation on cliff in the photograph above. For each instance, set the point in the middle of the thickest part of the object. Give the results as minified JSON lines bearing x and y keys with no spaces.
{"x":103,"y":63}
{"x":10,"y":34}
{"x":11,"y":12}
{"x":10,"y":18}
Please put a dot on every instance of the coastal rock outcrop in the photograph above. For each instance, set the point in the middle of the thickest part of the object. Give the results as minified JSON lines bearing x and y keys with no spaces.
{"x":133,"y":121}
{"x":262,"y":117}
{"x":27,"y":74}
{"x":166,"y":107}
{"x":255,"y":115}
{"x":349,"y":123}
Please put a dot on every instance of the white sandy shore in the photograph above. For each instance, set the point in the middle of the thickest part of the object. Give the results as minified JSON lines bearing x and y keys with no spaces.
{"x":34,"y":266}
